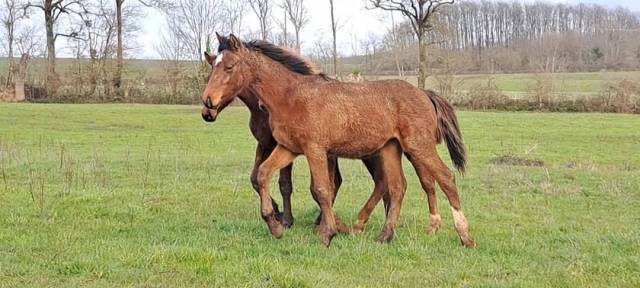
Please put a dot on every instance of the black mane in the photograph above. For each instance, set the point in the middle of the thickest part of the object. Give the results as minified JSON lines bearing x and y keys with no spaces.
{"x":285,"y":57}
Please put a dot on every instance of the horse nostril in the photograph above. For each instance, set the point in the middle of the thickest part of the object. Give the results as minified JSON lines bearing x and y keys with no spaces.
{"x":207,"y":117}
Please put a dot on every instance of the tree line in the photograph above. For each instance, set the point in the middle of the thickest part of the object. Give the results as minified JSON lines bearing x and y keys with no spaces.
{"x":503,"y":36}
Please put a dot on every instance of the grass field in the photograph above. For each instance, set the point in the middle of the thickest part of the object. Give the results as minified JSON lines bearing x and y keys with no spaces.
{"x":114,"y":195}
{"x":563,"y":84}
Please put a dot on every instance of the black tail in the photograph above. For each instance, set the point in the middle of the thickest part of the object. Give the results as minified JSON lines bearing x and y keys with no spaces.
{"x":449,"y":130}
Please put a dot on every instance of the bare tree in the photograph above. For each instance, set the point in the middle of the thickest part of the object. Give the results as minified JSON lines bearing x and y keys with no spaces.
{"x":26,"y":41}
{"x":196,"y":21}
{"x":129,"y":13}
{"x":419,"y":13}
{"x":283,"y":38}
{"x":10,"y":15}
{"x":233,"y":15}
{"x":117,"y":79}
{"x":53,"y":10}
{"x":173,"y":51}
{"x":298,"y":15}
{"x":262,"y":9}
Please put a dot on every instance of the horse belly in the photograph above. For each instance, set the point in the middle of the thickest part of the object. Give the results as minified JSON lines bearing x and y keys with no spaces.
{"x":359,"y":147}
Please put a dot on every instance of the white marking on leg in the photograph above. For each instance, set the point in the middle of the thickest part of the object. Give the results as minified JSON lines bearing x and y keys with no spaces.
{"x":459,"y":220}
{"x":462,"y":227}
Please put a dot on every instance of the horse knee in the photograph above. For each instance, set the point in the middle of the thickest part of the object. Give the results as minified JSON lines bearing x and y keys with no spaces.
{"x":262,"y":178}
{"x":254,"y":181}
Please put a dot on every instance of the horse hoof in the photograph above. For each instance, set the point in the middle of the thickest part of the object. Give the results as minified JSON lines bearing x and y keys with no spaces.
{"x":385,"y":237}
{"x":357,"y":229}
{"x":469,"y":243}
{"x":344,"y":229}
{"x":325,"y":238}
{"x":435,"y":221}
{"x":275,"y":227}
{"x":287,"y":222}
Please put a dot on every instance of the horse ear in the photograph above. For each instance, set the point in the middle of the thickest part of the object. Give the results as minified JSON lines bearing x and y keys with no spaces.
{"x":234,"y":42}
{"x":221,"y":38}
{"x":209,"y":58}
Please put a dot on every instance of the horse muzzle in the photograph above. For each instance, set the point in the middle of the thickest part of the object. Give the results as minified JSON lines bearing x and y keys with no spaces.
{"x":209,"y":115}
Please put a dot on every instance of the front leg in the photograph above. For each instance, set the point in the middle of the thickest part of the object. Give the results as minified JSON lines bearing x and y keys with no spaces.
{"x":323,"y":193}
{"x":279,"y":158}
{"x":262,"y":153}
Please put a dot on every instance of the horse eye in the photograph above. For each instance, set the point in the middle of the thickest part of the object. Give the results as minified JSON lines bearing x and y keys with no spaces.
{"x":228,"y":68}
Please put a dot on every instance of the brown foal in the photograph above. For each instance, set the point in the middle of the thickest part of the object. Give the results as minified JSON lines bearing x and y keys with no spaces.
{"x":321,"y":119}
{"x":259,"y":127}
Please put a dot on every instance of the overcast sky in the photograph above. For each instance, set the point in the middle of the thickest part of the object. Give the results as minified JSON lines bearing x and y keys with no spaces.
{"x":357,"y":23}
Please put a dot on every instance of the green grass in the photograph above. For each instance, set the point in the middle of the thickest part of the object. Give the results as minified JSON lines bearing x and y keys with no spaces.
{"x":117,"y":195}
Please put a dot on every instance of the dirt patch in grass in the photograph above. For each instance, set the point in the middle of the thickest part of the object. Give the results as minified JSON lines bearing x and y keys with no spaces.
{"x":513,"y":160}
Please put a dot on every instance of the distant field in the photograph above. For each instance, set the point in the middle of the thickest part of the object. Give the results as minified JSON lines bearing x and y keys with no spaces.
{"x":516,"y":85}
{"x":564,"y":84}
{"x":148,"y":196}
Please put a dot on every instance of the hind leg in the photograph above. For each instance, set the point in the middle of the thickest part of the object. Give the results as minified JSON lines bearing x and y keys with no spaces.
{"x":428,"y":165}
{"x":380,"y":191}
{"x":286,"y":188}
{"x":391,"y":156}
{"x":428,"y":185}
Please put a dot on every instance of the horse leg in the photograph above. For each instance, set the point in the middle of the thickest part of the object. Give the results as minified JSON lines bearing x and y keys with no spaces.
{"x":262,"y":153}
{"x":379,"y":191}
{"x":428,"y":185}
{"x":286,"y":188}
{"x":279,"y":158}
{"x":429,"y":166}
{"x":336,"y":179}
{"x":323,"y":193}
{"x":391,"y":156}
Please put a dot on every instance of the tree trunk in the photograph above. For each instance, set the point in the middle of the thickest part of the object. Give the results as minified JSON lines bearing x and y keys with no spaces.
{"x":286,"y":37}
{"x":117,"y":81}
{"x":335,"y":49}
{"x":422,"y":68}
{"x":52,"y":77}
{"x":298,"y":39}
{"x":20,"y":78}
{"x":12,"y":68}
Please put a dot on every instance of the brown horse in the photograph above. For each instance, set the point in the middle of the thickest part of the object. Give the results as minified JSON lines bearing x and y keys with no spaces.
{"x":259,"y":127}
{"x":318,"y":118}
{"x":266,"y":143}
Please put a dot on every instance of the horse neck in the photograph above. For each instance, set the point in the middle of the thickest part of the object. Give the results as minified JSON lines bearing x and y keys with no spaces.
{"x":251,"y":101}
{"x":272,"y":82}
